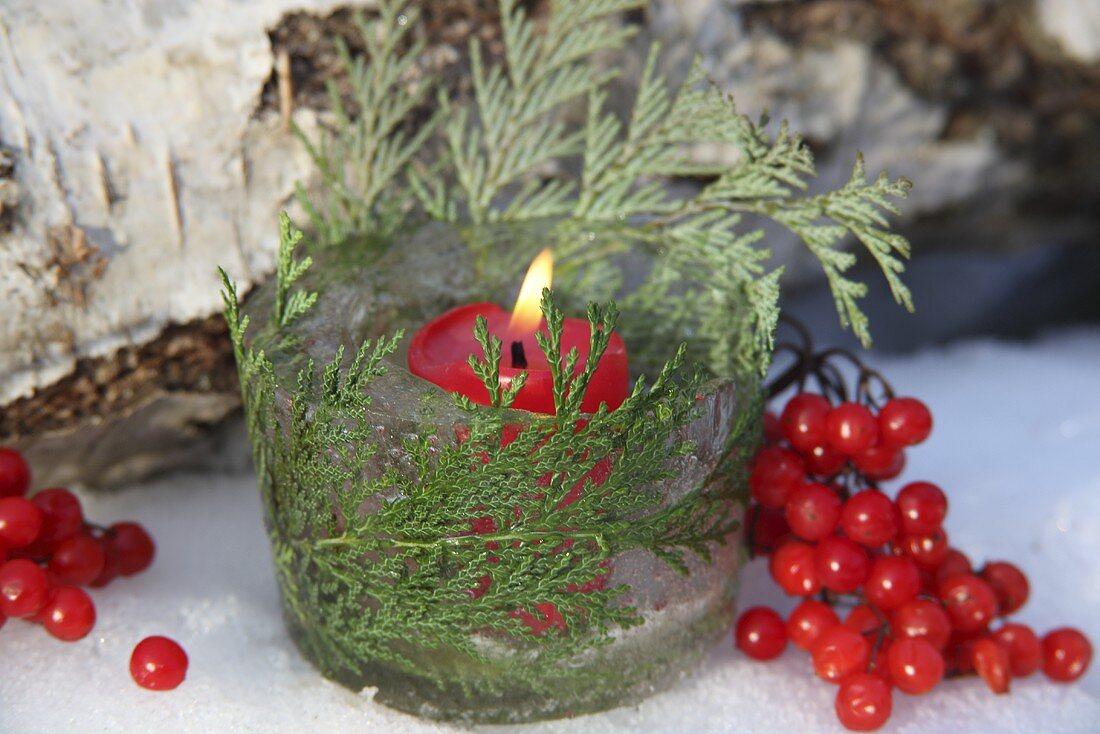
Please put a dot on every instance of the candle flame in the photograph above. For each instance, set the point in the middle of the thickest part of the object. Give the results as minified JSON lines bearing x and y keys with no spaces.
{"x":526,"y":315}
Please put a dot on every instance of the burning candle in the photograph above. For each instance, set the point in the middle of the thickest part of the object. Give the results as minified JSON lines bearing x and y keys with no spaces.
{"x":438,"y":352}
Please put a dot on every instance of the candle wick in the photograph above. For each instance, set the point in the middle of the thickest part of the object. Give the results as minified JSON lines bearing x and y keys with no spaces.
{"x":519,"y":357}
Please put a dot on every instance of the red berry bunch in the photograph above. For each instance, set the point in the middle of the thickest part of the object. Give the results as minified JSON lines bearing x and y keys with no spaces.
{"x":48,"y":551}
{"x":887,"y":602}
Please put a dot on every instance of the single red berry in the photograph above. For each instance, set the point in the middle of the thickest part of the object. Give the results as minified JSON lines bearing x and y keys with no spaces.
{"x":63,"y":513}
{"x":776,"y":472}
{"x":823,"y":461}
{"x":992,"y":663}
{"x":839,"y":652}
{"x":922,"y":619}
{"x":69,"y":613}
{"x":851,"y":429}
{"x":78,"y":560}
{"x":767,"y":529}
{"x":158,"y":664}
{"x":1066,"y":654}
{"x":863,"y":702}
{"x":792,"y":567}
{"x":15,"y":473}
{"x":970,"y":602}
{"x":1009,"y":584}
{"x":869,"y":518}
{"x":135,"y":547}
{"x":892,"y":582}
{"x":928,"y":551}
{"x":1025,"y":651}
{"x":20,"y":522}
{"x":803,"y":420}
{"x":773,"y":432}
{"x":808,"y":621}
{"x":953,"y":563}
{"x":760,"y":633}
{"x":841,"y":564}
{"x":923,"y":507}
{"x":916,"y":666}
{"x":880,"y":463}
{"x":904,"y":422}
{"x":812,"y":511}
{"x":110,"y":563}
{"x":863,"y":620}
{"x":22,"y":588}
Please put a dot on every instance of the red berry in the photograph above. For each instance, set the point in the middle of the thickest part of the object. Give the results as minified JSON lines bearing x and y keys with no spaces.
{"x":923,"y":507}
{"x":808,"y":621}
{"x":22,"y":588}
{"x":863,"y":702}
{"x":1066,"y":654}
{"x":841,"y":564}
{"x":792,"y":567}
{"x":880,"y":463}
{"x":110,"y":563}
{"x":78,"y":560}
{"x":922,"y":619}
{"x":63,"y":514}
{"x":158,"y":664}
{"x":768,"y":529}
{"x":803,"y":420}
{"x":969,"y":601}
{"x":893,"y":581}
{"x":20,"y":522}
{"x":869,"y":518}
{"x":953,"y":563}
{"x":851,"y":429}
{"x":839,"y":652}
{"x":760,"y":633}
{"x":991,"y":662}
{"x":776,"y":472}
{"x":823,"y":460}
{"x":1009,"y":584}
{"x":1025,"y":652}
{"x":929,"y":551}
{"x":15,"y":474}
{"x":904,"y":422}
{"x":916,"y":666}
{"x":69,"y":613}
{"x":135,"y":547}
{"x":862,"y":619}
{"x":812,"y":511}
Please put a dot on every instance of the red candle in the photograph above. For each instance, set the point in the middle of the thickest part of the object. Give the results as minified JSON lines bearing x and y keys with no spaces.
{"x":438,"y":352}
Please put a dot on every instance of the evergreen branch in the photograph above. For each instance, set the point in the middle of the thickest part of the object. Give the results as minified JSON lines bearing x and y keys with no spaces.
{"x":290,"y":304}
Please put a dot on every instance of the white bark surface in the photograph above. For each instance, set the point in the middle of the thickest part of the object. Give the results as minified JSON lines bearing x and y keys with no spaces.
{"x":140,"y":165}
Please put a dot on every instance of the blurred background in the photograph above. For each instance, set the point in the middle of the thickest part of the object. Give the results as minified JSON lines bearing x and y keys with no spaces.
{"x":144,"y":143}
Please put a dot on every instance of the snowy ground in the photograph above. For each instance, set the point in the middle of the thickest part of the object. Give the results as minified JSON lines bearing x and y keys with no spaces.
{"x":1017,"y":447}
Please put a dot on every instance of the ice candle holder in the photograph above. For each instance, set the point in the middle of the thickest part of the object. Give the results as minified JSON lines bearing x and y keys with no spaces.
{"x":478,"y":563}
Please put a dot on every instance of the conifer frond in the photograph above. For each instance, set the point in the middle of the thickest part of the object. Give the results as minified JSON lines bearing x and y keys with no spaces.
{"x":501,"y":155}
{"x":364,"y":156}
{"x":290,"y":304}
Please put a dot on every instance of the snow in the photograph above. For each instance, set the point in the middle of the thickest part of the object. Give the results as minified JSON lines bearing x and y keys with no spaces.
{"x":1015,"y":446}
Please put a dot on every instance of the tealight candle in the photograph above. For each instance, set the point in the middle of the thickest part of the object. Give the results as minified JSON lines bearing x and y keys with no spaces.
{"x":439,"y":351}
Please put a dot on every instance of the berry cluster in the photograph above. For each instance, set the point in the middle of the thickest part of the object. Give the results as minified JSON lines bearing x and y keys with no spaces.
{"x":48,"y":551}
{"x":887,"y":602}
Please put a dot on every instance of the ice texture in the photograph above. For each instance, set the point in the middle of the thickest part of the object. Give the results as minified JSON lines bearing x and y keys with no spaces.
{"x":1015,"y":445}
{"x":368,"y":291}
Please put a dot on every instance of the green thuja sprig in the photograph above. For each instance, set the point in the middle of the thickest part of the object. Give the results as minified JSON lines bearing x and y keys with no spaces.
{"x":290,"y":304}
{"x":366,"y":151}
{"x":503,"y":156}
